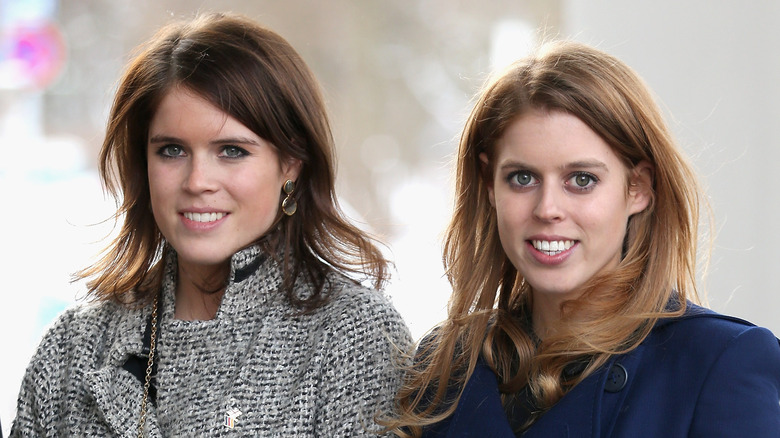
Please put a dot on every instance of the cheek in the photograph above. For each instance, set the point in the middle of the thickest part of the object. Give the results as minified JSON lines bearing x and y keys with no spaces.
{"x":261,"y":195}
{"x":605,"y":223}
{"x":511,"y":217}
{"x":159,"y":183}
{"x":157,"y":203}
{"x":263,"y":201}
{"x":162,"y":186}
{"x":510,"y":207}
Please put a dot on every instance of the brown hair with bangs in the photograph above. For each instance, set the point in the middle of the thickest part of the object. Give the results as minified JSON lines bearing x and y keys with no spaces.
{"x":618,"y":308}
{"x":255,"y":76}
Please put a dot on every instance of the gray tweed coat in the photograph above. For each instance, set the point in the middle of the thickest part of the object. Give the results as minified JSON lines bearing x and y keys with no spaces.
{"x":257,"y":369}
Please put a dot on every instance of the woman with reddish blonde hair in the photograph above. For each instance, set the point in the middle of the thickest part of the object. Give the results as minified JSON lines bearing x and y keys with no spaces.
{"x":572,"y":258}
{"x":231,"y":301}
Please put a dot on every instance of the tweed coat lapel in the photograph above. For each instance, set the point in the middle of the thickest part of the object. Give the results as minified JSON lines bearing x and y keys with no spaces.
{"x":115,"y":389}
{"x":118,"y":393}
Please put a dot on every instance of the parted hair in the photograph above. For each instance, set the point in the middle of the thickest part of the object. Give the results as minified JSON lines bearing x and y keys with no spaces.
{"x":255,"y":76}
{"x":490,"y":299}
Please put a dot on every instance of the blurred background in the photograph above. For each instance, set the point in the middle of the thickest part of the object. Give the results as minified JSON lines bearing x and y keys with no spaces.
{"x":399,"y":77}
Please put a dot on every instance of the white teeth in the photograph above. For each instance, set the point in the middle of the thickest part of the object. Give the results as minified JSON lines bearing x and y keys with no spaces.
{"x":204,"y":217}
{"x":552,"y":247}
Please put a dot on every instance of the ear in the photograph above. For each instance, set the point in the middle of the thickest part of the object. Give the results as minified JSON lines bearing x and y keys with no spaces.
{"x":640,"y":187}
{"x":483,"y":158}
{"x":291,"y":168}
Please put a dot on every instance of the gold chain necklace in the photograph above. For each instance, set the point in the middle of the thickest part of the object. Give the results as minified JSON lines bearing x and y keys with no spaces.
{"x":149,"y":366}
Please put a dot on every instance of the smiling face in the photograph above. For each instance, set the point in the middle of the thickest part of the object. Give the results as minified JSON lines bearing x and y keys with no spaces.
{"x":561,"y":201}
{"x":215,"y":185}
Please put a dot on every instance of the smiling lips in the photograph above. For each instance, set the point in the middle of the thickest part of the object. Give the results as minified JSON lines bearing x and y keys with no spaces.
{"x":203,"y":217}
{"x":552,"y":247}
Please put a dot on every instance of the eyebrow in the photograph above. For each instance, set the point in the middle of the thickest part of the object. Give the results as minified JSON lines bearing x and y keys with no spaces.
{"x":224,"y":140}
{"x":587,"y":164}
{"x":581,"y":164}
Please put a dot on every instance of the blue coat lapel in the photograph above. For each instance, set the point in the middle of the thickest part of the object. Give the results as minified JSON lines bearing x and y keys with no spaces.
{"x":591,"y":409}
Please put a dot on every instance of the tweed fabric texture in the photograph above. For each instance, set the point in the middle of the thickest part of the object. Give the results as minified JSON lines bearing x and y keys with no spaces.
{"x":324,"y":374}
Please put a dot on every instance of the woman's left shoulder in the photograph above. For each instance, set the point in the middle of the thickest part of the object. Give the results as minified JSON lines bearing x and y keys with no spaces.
{"x":706,"y":332}
{"x":730,"y":365}
{"x":347,"y":297}
{"x":354,"y":307}
{"x":701,"y":319}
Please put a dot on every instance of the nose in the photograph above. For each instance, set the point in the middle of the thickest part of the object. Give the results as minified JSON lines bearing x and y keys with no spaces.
{"x":549,"y":204}
{"x":201,"y":176}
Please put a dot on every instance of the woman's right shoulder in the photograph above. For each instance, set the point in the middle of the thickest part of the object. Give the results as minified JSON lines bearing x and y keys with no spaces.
{"x":87,"y":326}
{"x":79,"y":341}
{"x":84,"y":318}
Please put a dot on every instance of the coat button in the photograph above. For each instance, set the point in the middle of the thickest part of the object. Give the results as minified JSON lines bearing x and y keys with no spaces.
{"x":616,"y":379}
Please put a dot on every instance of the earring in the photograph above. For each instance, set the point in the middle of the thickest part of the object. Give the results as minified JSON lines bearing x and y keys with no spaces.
{"x":289,"y":205}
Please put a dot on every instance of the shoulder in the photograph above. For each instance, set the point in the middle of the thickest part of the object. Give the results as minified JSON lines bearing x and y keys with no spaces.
{"x":81,"y":321}
{"x":80,"y":337}
{"x":350,"y":302}
{"x":363,"y":343}
{"x":358,"y":316}
{"x":74,"y":344}
{"x":729,"y":365}
{"x":702,"y":329}
{"x":704,"y":344}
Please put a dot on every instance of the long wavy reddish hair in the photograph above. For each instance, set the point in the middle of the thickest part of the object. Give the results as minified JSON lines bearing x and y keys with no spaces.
{"x":618,"y":308}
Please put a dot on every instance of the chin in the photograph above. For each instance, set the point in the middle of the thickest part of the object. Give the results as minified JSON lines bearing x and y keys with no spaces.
{"x":553,"y":288}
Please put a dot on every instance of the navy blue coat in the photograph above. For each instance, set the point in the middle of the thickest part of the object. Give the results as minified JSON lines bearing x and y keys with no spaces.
{"x":700,"y":375}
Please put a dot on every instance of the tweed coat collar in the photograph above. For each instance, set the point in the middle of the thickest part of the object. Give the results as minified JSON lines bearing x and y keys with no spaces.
{"x":111,"y":385}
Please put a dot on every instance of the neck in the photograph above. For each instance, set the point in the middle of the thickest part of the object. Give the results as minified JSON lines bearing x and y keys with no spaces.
{"x":545,"y":314}
{"x":199,"y":295}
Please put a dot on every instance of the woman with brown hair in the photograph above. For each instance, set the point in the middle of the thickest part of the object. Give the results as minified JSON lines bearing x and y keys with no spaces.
{"x":231,"y":299}
{"x":572,"y":257}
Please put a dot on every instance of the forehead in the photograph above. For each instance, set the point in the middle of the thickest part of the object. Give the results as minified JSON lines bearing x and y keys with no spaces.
{"x":184,"y":110}
{"x":540,"y":137}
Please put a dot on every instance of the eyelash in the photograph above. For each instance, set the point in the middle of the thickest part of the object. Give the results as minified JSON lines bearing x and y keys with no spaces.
{"x":569,"y":182}
{"x":589,"y":187}
{"x":512,"y":179}
{"x":241,"y":152}
{"x":164,"y":152}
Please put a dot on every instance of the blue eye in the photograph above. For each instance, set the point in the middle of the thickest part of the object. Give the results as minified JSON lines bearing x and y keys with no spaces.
{"x":234,"y":152}
{"x":170,"y":150}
